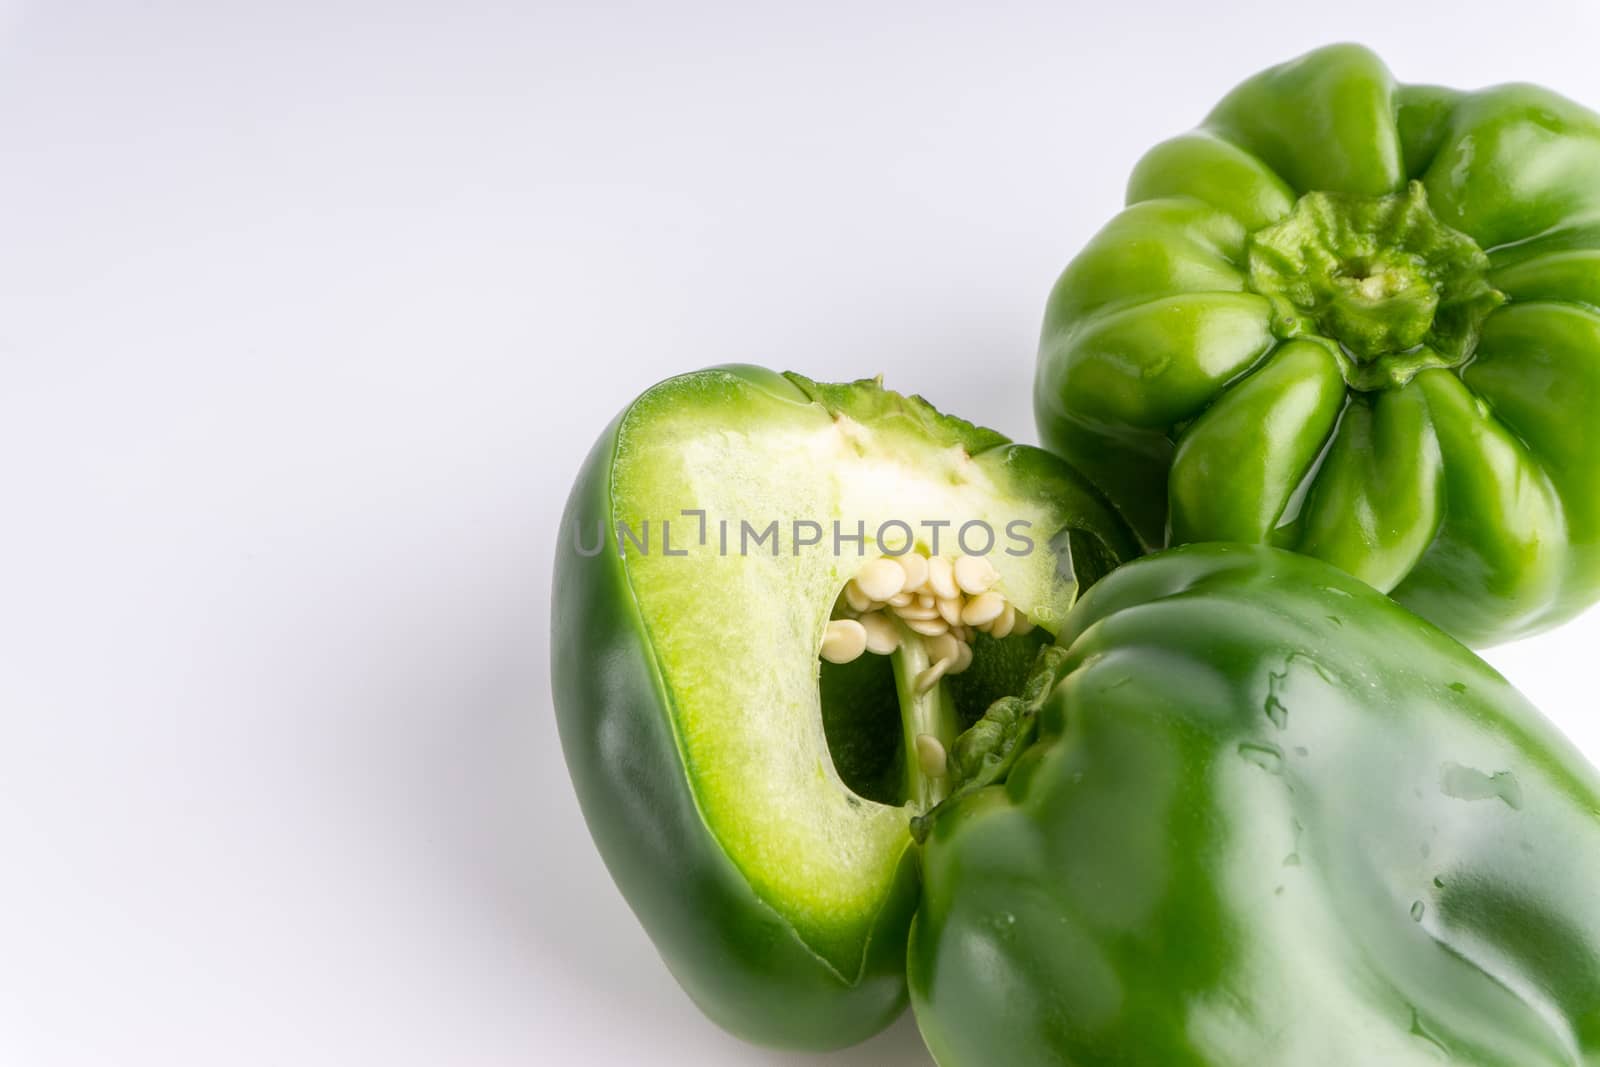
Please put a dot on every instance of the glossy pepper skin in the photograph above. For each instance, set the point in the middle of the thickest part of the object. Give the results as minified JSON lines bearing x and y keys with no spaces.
{"x":1269,"y":817}
{"x":1360,"y":320}
{"x":685,"y":676}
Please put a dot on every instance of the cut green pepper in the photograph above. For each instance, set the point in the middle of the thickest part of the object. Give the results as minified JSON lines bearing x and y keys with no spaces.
{"x":751,"y":800}
{"x":1263,"y":816}
{"x":1360,"y":320}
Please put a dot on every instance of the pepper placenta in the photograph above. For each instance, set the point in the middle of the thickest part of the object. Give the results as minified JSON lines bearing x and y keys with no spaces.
{"x":777,"y":605}
{"x":1264,"y":815}
{"x":1360,"y":320}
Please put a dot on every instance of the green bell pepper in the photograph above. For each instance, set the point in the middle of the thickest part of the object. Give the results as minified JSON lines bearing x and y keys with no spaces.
{"x":1264,"y":815}
{"x":751,"y":801}
{"x":1360,"y":320}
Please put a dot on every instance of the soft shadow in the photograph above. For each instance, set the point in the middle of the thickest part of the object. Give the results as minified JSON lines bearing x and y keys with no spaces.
{"x":898,"y":1046}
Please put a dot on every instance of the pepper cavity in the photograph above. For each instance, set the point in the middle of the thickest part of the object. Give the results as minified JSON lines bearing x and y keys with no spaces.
{"x":938,"y":601}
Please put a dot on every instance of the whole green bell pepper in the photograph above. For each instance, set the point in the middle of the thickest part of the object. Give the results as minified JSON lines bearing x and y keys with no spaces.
{"x":751,"y":801}
{"x":1264,"y":816}
{"x":1360,"y":320}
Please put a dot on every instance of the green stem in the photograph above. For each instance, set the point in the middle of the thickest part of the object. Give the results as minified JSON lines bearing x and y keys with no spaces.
{"x":932,"y":713}
{"x":1392,"y":287}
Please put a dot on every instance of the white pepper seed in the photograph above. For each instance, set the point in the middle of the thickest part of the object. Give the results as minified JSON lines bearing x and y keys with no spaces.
{"x":1002,"y":626}
{"x":949,"y":609}
{"x":943,"y":646}
{"x":963,"y":658}
{"x":856,"y":598}
{"x":882,"y":637}
{"x":881,"y":579}
{"x":932,"y":757}
{"x":901,"y":600}
{"x":928,"y":627}
{"x":916,"y":568}
{"x":1024,"y":624}
{"x":974,"y":574}
{"x":983,"y":609}
{"x":942,"y":579}
{"x":916,"y":611}
{"x":843,"y":640}
{"x":929,"y":678}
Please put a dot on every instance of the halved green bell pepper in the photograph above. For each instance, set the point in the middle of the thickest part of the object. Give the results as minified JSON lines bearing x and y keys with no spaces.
{"x":752,"y":803}
{"x":1360,"y":320}
{"x":1263,"y":815}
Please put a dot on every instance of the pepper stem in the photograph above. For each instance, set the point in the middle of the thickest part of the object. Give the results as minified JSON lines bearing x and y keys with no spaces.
{"x":1383,"y":278}
{"x":928,"y":721}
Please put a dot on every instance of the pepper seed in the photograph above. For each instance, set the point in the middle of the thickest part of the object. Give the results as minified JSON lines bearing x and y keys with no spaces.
{"x":881,"y":579}
{"x":929,"y":678}
{"x":928,"y":627}
{"x":843,"y":641}
{"x":855,"y":597}
{"x":932,"y":757}
{"x":943,"y":646}
{"x":1004,"y":624}
{"x":974,"y":574}
{"x":942,"y":579}
{"x":983,"y":608}
{"x":916,"y":568}
{"x":882,"y":637}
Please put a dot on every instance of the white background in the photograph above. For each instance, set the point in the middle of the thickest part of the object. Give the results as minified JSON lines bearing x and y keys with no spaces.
{"x":308,"y":313}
